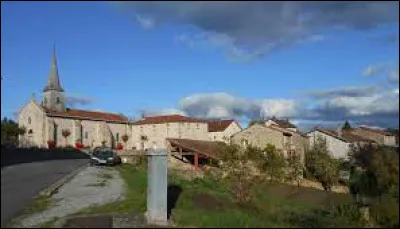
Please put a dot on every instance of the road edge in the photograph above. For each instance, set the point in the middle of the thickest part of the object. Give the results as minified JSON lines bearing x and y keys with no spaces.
{"x":49,"y":191}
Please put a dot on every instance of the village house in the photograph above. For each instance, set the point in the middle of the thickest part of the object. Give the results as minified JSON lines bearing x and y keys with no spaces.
{"x":46,"y":122}
{"x":153,"y":131}
{"x":284,"y":124}
{"x":381,"y":137}
{"x":339,"y":142}
{"x":222,"y":130}
{"x":289,"y":142}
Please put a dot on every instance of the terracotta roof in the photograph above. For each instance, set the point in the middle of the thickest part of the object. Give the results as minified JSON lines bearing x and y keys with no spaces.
{"x":218,"y":125}
{"x":346,"y":135}
{"x":283,"y":123}
{"x":208,"y":148}
{"x":167,"y":119}
{"x":92,"y":115}
{"x":383,"y":132}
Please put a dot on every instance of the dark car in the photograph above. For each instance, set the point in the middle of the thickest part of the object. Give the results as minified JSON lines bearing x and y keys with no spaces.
{"x":104,"y":156}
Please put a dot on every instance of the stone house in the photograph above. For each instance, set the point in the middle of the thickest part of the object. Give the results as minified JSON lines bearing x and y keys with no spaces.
{"x":284,"y":124}
{"x":339,"y":143}
{"x":259,"y":135}
{"x":153,"y":131}
{"x":222,"y":130}
{"x":381,"y":137}
{"x":46,"y":121}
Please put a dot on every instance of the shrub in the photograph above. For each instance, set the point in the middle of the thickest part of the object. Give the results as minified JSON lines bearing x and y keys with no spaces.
{"x":125,"y":138}
{"x":120,"y":146}
{"x":51,"y":144}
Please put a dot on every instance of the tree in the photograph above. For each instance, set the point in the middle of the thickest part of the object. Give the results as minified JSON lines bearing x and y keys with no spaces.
{"x":10,"y":132}
{"x":66,"y":133}
{"x":252,"y":122}
{"x":295,"y":169}
{"x":346,"y":126}
{"x":125,"y":138}
{"x":374,"y":178}
{"x":321,"y":165}
{"x":273,"y":163}
{"x":236,"y":164}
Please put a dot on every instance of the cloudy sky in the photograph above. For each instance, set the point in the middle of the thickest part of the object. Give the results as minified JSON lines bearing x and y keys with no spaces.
{"x":317,"y":63}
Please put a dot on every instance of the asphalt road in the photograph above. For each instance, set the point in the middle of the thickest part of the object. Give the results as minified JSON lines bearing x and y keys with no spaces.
{"x":22,"y":182}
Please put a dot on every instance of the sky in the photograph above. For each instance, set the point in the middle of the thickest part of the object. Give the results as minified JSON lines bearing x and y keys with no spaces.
{"x":315,"y":63}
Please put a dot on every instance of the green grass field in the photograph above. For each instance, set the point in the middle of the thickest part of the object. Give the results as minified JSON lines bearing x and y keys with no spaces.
{"x":209,"y":203}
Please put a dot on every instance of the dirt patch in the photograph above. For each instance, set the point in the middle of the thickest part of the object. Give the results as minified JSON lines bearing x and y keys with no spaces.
{"x":208,"y":202}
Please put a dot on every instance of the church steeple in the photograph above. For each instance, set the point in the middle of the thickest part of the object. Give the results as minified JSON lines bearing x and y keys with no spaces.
{"x":53,"y":82}
{"x":53,"y":93}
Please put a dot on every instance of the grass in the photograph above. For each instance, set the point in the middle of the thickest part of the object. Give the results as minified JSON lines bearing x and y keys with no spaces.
{"x":209,"y":203}
{"x":40,"y":204}
{"x":49,"y":224}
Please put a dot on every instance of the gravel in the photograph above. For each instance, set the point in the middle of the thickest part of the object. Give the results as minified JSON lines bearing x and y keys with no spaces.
{"x":89,"y":187}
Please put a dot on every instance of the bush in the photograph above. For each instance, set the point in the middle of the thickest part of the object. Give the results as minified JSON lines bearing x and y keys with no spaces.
{"x":120,"y":146}
{"x":385,"y":212}
{"x":51,"y":144}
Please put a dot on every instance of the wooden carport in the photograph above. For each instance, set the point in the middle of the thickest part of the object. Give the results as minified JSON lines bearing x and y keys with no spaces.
{"x":197,"y":148}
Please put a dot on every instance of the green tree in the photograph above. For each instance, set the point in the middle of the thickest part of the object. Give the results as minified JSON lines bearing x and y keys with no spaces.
{"x":272,"y":163}
{"x":295,"y":169}
{"x":374,"y":179}
{"x":10,"y":132}
{"x":237,"y":167}
{"x":346,"y":126}
{"x":321,"y":165}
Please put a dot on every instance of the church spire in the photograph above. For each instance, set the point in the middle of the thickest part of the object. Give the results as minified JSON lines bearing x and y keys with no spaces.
{"x":53,"y":82}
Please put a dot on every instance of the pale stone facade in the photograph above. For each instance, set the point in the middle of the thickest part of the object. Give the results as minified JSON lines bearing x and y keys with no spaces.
{"x":226,"y":134}
{"x":260,"y":136}
{"x":337,"y":148}
{"x":148,"y":135}
{"x":46,"y":122}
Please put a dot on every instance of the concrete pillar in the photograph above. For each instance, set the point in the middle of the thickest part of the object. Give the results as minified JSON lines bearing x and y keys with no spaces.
{"x":157,"y":185}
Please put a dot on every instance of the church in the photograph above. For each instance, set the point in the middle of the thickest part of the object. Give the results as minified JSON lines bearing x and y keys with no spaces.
{"x":49,"y":121}
{"x":46,"y":121}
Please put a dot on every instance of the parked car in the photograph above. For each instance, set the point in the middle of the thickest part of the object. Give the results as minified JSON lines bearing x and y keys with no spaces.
{"x":104,"y":156}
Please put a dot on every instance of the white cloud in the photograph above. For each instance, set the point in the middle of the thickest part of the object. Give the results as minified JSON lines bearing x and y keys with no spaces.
{"x":145,"y":23}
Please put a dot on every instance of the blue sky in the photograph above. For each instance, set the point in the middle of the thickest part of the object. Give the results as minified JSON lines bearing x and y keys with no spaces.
{"x":209,"y":60}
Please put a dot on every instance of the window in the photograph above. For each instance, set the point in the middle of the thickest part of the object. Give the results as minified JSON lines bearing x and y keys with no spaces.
{"x":197,"y":126}
{"x":117,"y":137}
{"x":29,"y":120}
{"x":45,"y":101}
{"x":58,"y":100}
{"x":86,"y":135}
{"x":30,"y":131}
{"x":215,"y":137}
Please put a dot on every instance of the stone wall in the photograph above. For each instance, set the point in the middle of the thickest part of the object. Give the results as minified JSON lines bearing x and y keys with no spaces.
{"x":157,"y":133}
{"x":336,"y":147}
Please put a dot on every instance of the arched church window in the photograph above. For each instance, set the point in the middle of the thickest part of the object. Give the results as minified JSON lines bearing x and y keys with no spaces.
{"x":117,"y":137}
{"x":29,"y":120}
{"x":58,"y":100}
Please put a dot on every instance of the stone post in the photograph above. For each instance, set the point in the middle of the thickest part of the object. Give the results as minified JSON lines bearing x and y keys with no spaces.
{"x":157,"y":185}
